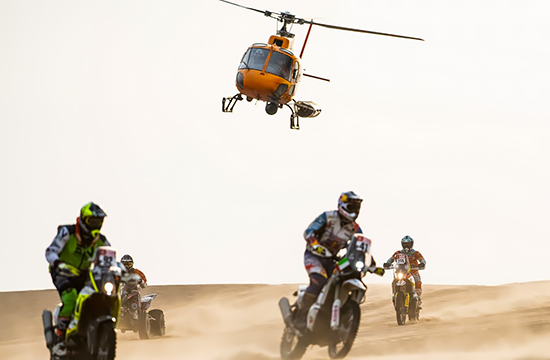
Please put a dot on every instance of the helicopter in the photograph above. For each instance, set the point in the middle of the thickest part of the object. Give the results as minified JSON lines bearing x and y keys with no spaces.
{"x":271,"y":71}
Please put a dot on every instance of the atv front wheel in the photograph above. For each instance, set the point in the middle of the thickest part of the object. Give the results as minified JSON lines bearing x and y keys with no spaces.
{"x":144,"y":326}
{"x":158,"y":326}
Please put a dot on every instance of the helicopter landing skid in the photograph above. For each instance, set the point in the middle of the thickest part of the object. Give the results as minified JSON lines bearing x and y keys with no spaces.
{"x":231,"y":101}
{"x":293,"y":115}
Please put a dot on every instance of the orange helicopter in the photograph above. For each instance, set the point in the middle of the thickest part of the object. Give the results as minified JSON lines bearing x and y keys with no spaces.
{"x":271,"y":72}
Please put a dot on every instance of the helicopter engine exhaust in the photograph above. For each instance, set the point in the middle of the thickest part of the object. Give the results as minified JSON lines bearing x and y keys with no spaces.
{"x":306,"y":109}
{"x":271,"y":108}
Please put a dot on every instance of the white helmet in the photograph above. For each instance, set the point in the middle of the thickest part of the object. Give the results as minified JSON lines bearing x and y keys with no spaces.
{"x":349,"y":205}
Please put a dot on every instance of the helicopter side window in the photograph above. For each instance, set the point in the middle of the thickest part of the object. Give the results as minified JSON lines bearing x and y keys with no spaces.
{"x":254,"y":59}
{"x":280,"y":65}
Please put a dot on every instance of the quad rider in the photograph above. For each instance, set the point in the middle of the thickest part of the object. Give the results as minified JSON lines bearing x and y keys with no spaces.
{"x":128,"y":263}
{"x":332,"y":230}
{"x":416,"y":261}
{"x":70,"y":252}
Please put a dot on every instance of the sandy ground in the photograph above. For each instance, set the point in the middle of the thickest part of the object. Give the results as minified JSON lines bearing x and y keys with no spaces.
{"x":242,"y":322}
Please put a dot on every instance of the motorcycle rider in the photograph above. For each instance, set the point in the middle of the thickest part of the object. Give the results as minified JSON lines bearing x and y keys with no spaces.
{"x":331,"y":230}
{"x":70,"y":252}
{"x":128,"y":263}
{"x":416,"y":260}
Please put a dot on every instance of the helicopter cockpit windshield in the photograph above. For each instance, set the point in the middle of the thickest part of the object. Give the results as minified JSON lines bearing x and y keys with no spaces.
{"x":254,"y":59}
{"x":280,"y":65}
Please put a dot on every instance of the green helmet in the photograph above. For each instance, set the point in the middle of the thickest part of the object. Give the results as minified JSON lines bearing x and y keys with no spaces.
{"x":90,"y":222}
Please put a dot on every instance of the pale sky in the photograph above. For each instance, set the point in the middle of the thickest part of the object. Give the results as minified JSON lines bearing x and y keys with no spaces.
{"x":119,"y":102}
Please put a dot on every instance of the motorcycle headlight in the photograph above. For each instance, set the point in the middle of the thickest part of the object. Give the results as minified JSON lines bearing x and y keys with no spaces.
{"x":108,"y":287}
{"x":359,"y":265}
{"x":400,"y":276}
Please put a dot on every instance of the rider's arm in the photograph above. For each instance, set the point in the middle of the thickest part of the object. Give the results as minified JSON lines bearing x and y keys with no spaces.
{"x":421,"y":260}
{"x":142,"y":276}
{"x":58,"y":243}
{"x":316,"y":228}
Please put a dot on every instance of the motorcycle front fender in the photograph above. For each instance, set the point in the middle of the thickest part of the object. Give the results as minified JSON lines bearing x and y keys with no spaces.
{"x":349,"y":286}
{"x":93,"y":327}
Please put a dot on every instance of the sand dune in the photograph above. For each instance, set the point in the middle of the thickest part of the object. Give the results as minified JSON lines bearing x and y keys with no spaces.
{"x":242,"y":322}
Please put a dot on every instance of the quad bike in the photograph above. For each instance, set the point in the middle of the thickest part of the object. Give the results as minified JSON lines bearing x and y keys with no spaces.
{"x":135,"y":316}
{"x":333,"y":319}
{"x":404,"y":298}
{"x":91,"y":332}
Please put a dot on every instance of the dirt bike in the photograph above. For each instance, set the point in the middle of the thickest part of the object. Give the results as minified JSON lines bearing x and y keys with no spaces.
{"x":404,"y":298}
{"x":134,"y":314}
{"x":91,"y":332}
{"x":333,"y":319}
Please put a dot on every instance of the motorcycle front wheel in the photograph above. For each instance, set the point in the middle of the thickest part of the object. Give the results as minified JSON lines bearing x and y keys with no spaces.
{"x":342,"y":339}
{"x":106,"y":342}
{"x":292,"y":346}
{"x":400,"y":310}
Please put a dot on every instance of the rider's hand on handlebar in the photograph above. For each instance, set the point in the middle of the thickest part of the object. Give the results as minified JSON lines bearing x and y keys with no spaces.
{"x":387,"y":265}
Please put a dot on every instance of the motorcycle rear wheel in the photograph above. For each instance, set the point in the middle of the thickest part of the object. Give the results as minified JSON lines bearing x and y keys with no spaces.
{"x":106,"y":343}
{"x":292,"y":346}
{"x":400,"y":310}
{"x":338,"y":347}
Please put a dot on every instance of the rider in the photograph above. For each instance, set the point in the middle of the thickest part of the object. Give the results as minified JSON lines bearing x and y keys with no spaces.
{"x":70,"y":252}
{"x":415,"y":259}
{"x":128,"y":263}
{"x":331,"y":231}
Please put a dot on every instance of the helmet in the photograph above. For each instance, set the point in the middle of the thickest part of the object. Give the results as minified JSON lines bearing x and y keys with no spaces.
{"x":127,"y":261}
{"x":349,"y":205}
{"x":407,"y":242}
{"x":90,"y":222}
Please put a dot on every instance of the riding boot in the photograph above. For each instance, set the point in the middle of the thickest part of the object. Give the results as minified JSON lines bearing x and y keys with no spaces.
{"x":59,"y":349}
{"x":300,"y":319}
{"x":419,"y":301}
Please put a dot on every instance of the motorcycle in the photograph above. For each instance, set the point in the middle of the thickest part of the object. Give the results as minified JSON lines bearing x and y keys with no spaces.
{"x":134,"y":314}
{"x":405,"y":300}
{"x":333,"y":319}
{"x":91,"y":332}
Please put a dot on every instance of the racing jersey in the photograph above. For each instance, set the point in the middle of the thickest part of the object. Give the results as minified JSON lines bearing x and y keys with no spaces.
{"x":415,"y":258}
{"x":330,"y":231}
{"x":66,"y":248}
{"x":141,"y":275}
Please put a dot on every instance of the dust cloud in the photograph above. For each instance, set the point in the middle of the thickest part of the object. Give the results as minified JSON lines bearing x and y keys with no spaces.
{"x":242,"y":322}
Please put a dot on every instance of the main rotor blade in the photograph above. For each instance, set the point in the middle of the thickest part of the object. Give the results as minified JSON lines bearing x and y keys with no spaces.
{"x":359,"y":30}
{"x":265,"y":12}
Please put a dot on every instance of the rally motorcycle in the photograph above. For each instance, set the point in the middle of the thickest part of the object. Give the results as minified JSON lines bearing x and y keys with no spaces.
{"x":333,"y":319}
{"x":404,"y":298}
{"x":134,"y":314}
{"x":91,"y":332}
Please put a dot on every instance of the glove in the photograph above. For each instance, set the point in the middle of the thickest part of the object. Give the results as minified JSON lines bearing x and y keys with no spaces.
{"x":387,"y":265}
{"x":312,"y":241}
{"x":421,"y":266}
{"x":379,"y":271}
